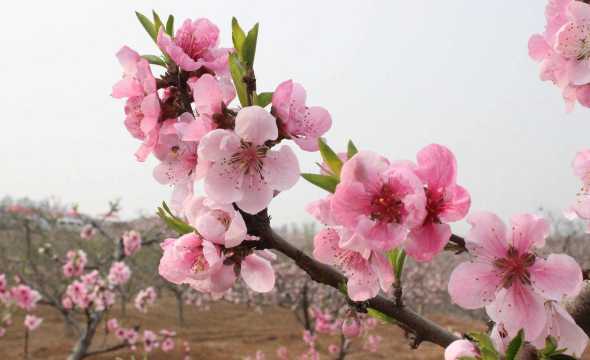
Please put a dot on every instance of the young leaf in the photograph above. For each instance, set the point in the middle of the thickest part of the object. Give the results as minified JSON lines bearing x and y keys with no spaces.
{"x":381,"y":316}
{"x":486,"y":347}
{"x":352,"y":150}
{"x":249,"y":47}
{"x":237,"y":36}
{"x":172,"y":221}
{"x":515,"y":345}
{"x":237,"y":74}
{"x":327,"y":183}
{"x":397,"y":258}
{"x":170,"y":25}
{"x":263,"y":99}
{"x":157,"y":22}
{"x":147,"y":25}
{"x":330,"y":157}
{"x":155,"y":60}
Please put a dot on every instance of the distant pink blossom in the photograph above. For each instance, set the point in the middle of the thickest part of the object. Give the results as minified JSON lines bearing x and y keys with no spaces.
{"x":351,"y":328}
{"x":25,"y":297}
{"x":378,"y":201}
{"x":87,"y":232}
{"x":282,"y":353}
{"x":195,"y":46}
{"x":303,"y":124}
{"x":112,"y":325}
{"x":119,"y":273}
{"x":507,"y":277}
{"x":461,"y":349}
{"x":131,"y":242}
{"x":150,"y":341}
{"x":366,"y":271}
{"x":333,"y":349}
{"x":372,"y":343}
{"x":167,"y":345}
{"x":581,"y":208}
{"x":145,"y":298}
{"x":75,"y":263}
{"x":445,"y":202}
{"x":243,"y":169}
{"x":32,"y":322}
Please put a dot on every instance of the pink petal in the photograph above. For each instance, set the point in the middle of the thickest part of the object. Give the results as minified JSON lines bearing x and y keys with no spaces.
{"x":461,"y":349}
{"x":567,"y":333}
{"x":349,"y":202}
{"x":222,"y":279}
{"x":126,"y":88}
{"x":325,"y":246}
{"x":557,"y":277}
{"x":258,"y":274}
{"x":256,"y":125}
{"x":436,"y":166}
{"x":473,"y":284}
{"x":223,"y":182}
{"x":457,"y":204}
{"x":365,"y":167}
{"x":427,"y":241}
{"x":382,"y":267}
{"x":237,"y":231}
{"x":256,"y":194}
{"x":282,"y":167}
{"x":487,"y":237}
{"x":210,"y":227}
{"x":528,"y":232}
{"x":518,"y":307}
{"x":362,"y":284}
{"x":208,"y":95}
{"x":539,"y":49}
{"x":581,"y":163}
{"x":218,"y":144}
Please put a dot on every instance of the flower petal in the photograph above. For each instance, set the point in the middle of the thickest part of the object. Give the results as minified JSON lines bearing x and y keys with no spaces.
{"x":473,"y":284}
{"x":282,"y":168}
{"x":256,"y":125}
{"x":427,"y":241}
{"x":258,"y":273}
{"x":557,"y":277}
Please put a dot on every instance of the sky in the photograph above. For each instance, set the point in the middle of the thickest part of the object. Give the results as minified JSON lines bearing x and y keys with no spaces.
{"x":395,"y":76}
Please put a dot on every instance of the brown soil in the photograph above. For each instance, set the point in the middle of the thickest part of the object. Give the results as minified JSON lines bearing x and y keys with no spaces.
{"x":225,"y":332}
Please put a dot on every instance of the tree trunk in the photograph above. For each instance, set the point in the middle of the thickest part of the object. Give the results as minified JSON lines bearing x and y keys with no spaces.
{"x":83,"y":345}
{"x":179,"y":308}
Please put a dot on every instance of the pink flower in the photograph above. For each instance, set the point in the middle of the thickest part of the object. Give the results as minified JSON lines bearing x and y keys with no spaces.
{"x":572,"y":40}
{"x":168,"y":345}
{"x":378,"y":201}
{"x":333,"y":349}
{"x":211,"y":97}
{"x":243,"y":169}
{"x":112,"y":325}
{"x":137,"y":75}
{"x":194,"y":46}
{"x":507,"y":277}
{"x":119,"y":273}
{"x":131,"y":242}
{"x":581,"y":166}
{"x":351,"y":328}
{"x":372,"y":343}
{"x":87,"y":232}
{"x":324,"y":324}
{"x":367,"y":272}
{"x":563,"y":329}
{"x":461,"y":349}
{"x":218,"y":223}
{"x":75,"y":263}
{"x":32,"y":322}
{"x":178,"y":158}
{"x":321,"y":210}
{"x":282,"y":353}
{"x":445,"y":202}
{"x":301,"y":123}
{"x":150,"y":341}
{"x":25,"y":297}
{"x":145,"y":298}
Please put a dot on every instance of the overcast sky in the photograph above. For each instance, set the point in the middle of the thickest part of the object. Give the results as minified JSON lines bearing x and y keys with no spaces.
{"x":395,"y":75}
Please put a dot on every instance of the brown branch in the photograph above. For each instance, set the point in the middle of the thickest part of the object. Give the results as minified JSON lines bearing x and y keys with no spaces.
{"x":422,"y":328}
{"x":120,"y":346}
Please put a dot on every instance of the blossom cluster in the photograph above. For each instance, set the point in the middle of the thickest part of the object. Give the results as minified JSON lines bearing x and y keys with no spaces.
{"x":145,"y":298}
{"x":23,"y":297}
{"x":185,"y":119}
{"x":75,"y":263}
{"x":379,"y":206}
{"x":90,"y":291}
{"x":518,"y":288}
{"x":131,"y":242}
{"x":562,"y":50}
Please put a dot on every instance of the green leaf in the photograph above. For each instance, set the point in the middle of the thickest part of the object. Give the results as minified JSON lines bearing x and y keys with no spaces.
{"x":342,"y":288}
{"x":170,"y":25}
{"x":397,"y":258}
{"x":466,"y":358}
{"x":237,"y":74}
{"x":515,"y":345}
{"x":155,"y":60}
{"x":330,"y":157}
{"x":237,"y":35}
{"x":486,"y":346}
{"x":327,"y":183}
{"x":263,"y":99}
{"x":157,"y":22}
{"x":561,"y":357}
{"x":381,"y":316}
{"x":249,"y":47}
{"x":147,"y":25}
{"x":172,"y":221}
{"x":352,"y":150}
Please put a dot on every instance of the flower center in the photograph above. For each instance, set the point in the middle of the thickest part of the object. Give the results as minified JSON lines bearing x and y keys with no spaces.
{"x":515,"y":267}
{"x":191,"y":45}
{"x":434,"y":205}
{"x":249,"y":159}
{"x":387,"y":207}
{"x":200,"y":263}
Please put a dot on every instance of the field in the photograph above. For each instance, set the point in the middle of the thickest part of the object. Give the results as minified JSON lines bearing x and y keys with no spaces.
{"x":226,"y":331}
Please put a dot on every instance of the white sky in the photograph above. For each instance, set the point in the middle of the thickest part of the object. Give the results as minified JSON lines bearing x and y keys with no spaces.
{"x":395,"y":75}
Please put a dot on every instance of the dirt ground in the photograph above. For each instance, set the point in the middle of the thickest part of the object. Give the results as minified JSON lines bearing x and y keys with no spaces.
{"x":225,"y":332}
